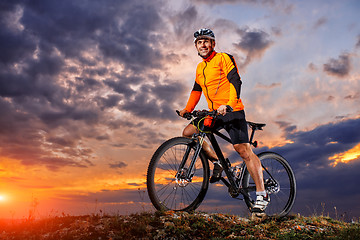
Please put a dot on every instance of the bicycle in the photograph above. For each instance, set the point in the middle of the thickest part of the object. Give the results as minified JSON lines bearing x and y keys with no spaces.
{"x":178,"y":173}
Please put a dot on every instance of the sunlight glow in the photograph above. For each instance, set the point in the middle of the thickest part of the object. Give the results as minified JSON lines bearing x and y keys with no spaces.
{"x":347,"y":156}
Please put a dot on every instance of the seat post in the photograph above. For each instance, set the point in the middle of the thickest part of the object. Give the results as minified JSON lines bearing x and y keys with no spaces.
{"x":252,"y":135}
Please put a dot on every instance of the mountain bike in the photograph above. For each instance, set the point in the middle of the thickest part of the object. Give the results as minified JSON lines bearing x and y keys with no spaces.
{"x":178,"y":173}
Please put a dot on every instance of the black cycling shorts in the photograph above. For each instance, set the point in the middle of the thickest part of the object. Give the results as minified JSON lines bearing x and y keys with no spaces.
{"x":234,"y":123}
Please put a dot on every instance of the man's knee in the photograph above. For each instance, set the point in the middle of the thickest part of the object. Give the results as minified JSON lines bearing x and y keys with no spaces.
{"x":244,"y":150}
{"x":188,"y":131}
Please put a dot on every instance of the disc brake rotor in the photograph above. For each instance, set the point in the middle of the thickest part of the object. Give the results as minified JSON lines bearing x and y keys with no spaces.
{"x":180,"y":178}
{"x":272,"y":186}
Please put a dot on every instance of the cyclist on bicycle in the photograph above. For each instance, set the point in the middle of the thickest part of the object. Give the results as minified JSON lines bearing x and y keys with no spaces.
{"x":218,"y":77}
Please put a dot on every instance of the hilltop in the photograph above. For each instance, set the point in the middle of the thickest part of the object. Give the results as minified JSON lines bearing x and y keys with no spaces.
{"x":178,"y":225}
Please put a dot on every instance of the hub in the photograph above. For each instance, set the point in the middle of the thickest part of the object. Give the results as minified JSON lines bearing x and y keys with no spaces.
{"x":182,"y":182}
{"x":181,"y":178}
{"x":272,"y":186}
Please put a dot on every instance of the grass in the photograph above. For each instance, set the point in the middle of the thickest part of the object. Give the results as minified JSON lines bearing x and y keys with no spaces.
{"x":178,"y":225}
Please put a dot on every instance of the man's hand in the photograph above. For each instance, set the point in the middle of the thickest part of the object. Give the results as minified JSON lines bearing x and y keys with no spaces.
{"x":222,"y":110}
{"x":182,"y":112}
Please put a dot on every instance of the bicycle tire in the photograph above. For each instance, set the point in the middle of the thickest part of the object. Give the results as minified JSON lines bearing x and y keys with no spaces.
{"x":282,"y":197}
{"x":164,"y":191}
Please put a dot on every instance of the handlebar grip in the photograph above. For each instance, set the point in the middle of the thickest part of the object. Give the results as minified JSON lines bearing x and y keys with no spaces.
{"x":186,"y":115}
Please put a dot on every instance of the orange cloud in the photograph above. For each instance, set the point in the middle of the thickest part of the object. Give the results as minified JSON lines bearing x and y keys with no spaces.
{"x":347,"y":156}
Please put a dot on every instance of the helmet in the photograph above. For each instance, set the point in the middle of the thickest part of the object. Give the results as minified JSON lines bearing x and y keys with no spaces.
{"x":205,"y":33}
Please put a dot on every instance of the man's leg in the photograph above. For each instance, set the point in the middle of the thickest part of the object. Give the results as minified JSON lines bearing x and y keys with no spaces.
{"x":254,"y":167}
{"x":252,"y":163}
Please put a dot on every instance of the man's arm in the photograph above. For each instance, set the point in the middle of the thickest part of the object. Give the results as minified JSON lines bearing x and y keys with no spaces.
{"x":193,"y":99}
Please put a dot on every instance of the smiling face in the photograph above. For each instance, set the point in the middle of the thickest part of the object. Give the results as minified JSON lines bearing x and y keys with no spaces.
{"x":205,"y":47}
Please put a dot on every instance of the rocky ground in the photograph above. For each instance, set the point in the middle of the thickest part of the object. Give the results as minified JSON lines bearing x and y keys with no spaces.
{"x":178,"y":225}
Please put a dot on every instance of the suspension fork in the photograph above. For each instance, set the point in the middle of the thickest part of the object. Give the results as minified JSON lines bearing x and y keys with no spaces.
{"x":197,"y":143}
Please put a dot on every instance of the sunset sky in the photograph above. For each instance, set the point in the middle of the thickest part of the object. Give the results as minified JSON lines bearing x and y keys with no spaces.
{"x":89,"y":89}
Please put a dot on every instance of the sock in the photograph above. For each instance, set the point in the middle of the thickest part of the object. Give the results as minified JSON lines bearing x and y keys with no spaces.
{"x":263,"y":193}
{"x":217,"y":162}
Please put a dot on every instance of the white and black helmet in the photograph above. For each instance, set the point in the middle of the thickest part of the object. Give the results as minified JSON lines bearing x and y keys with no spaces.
{"x":204,"y":33}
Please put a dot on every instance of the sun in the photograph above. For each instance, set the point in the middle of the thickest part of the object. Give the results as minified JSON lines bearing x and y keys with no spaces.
{"x":2,"y":198}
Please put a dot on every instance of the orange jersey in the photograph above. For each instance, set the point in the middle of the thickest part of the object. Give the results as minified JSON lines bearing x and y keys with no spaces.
{"x":218,"y":78}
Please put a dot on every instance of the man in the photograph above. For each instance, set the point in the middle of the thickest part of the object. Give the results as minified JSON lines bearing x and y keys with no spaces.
{"x":217,"y":76}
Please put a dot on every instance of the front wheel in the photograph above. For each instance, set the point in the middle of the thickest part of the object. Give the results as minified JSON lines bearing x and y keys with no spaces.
{"x":279,"y":181}
{"x":167,"y":189}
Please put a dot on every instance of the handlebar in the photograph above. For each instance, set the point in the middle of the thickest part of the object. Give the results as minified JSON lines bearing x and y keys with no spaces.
{"x":198,"y":113}
{"x":202,"y":113}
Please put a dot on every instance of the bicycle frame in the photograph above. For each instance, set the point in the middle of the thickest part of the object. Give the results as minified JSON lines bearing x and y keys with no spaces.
{"x":231,"y":183}
{"x":225,"y":164}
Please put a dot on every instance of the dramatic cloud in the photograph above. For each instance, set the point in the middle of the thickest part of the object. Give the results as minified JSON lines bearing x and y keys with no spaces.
{"x":338,"y":67}
{"x":253,"y":43}
{"x":67,"y":67}
{"x":183,"y":22}
{"x":310,"y":157}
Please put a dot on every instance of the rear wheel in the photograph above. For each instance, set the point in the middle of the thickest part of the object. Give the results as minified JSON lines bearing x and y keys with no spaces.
{"x":169,"y":190}
{"x":279,"y":183}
